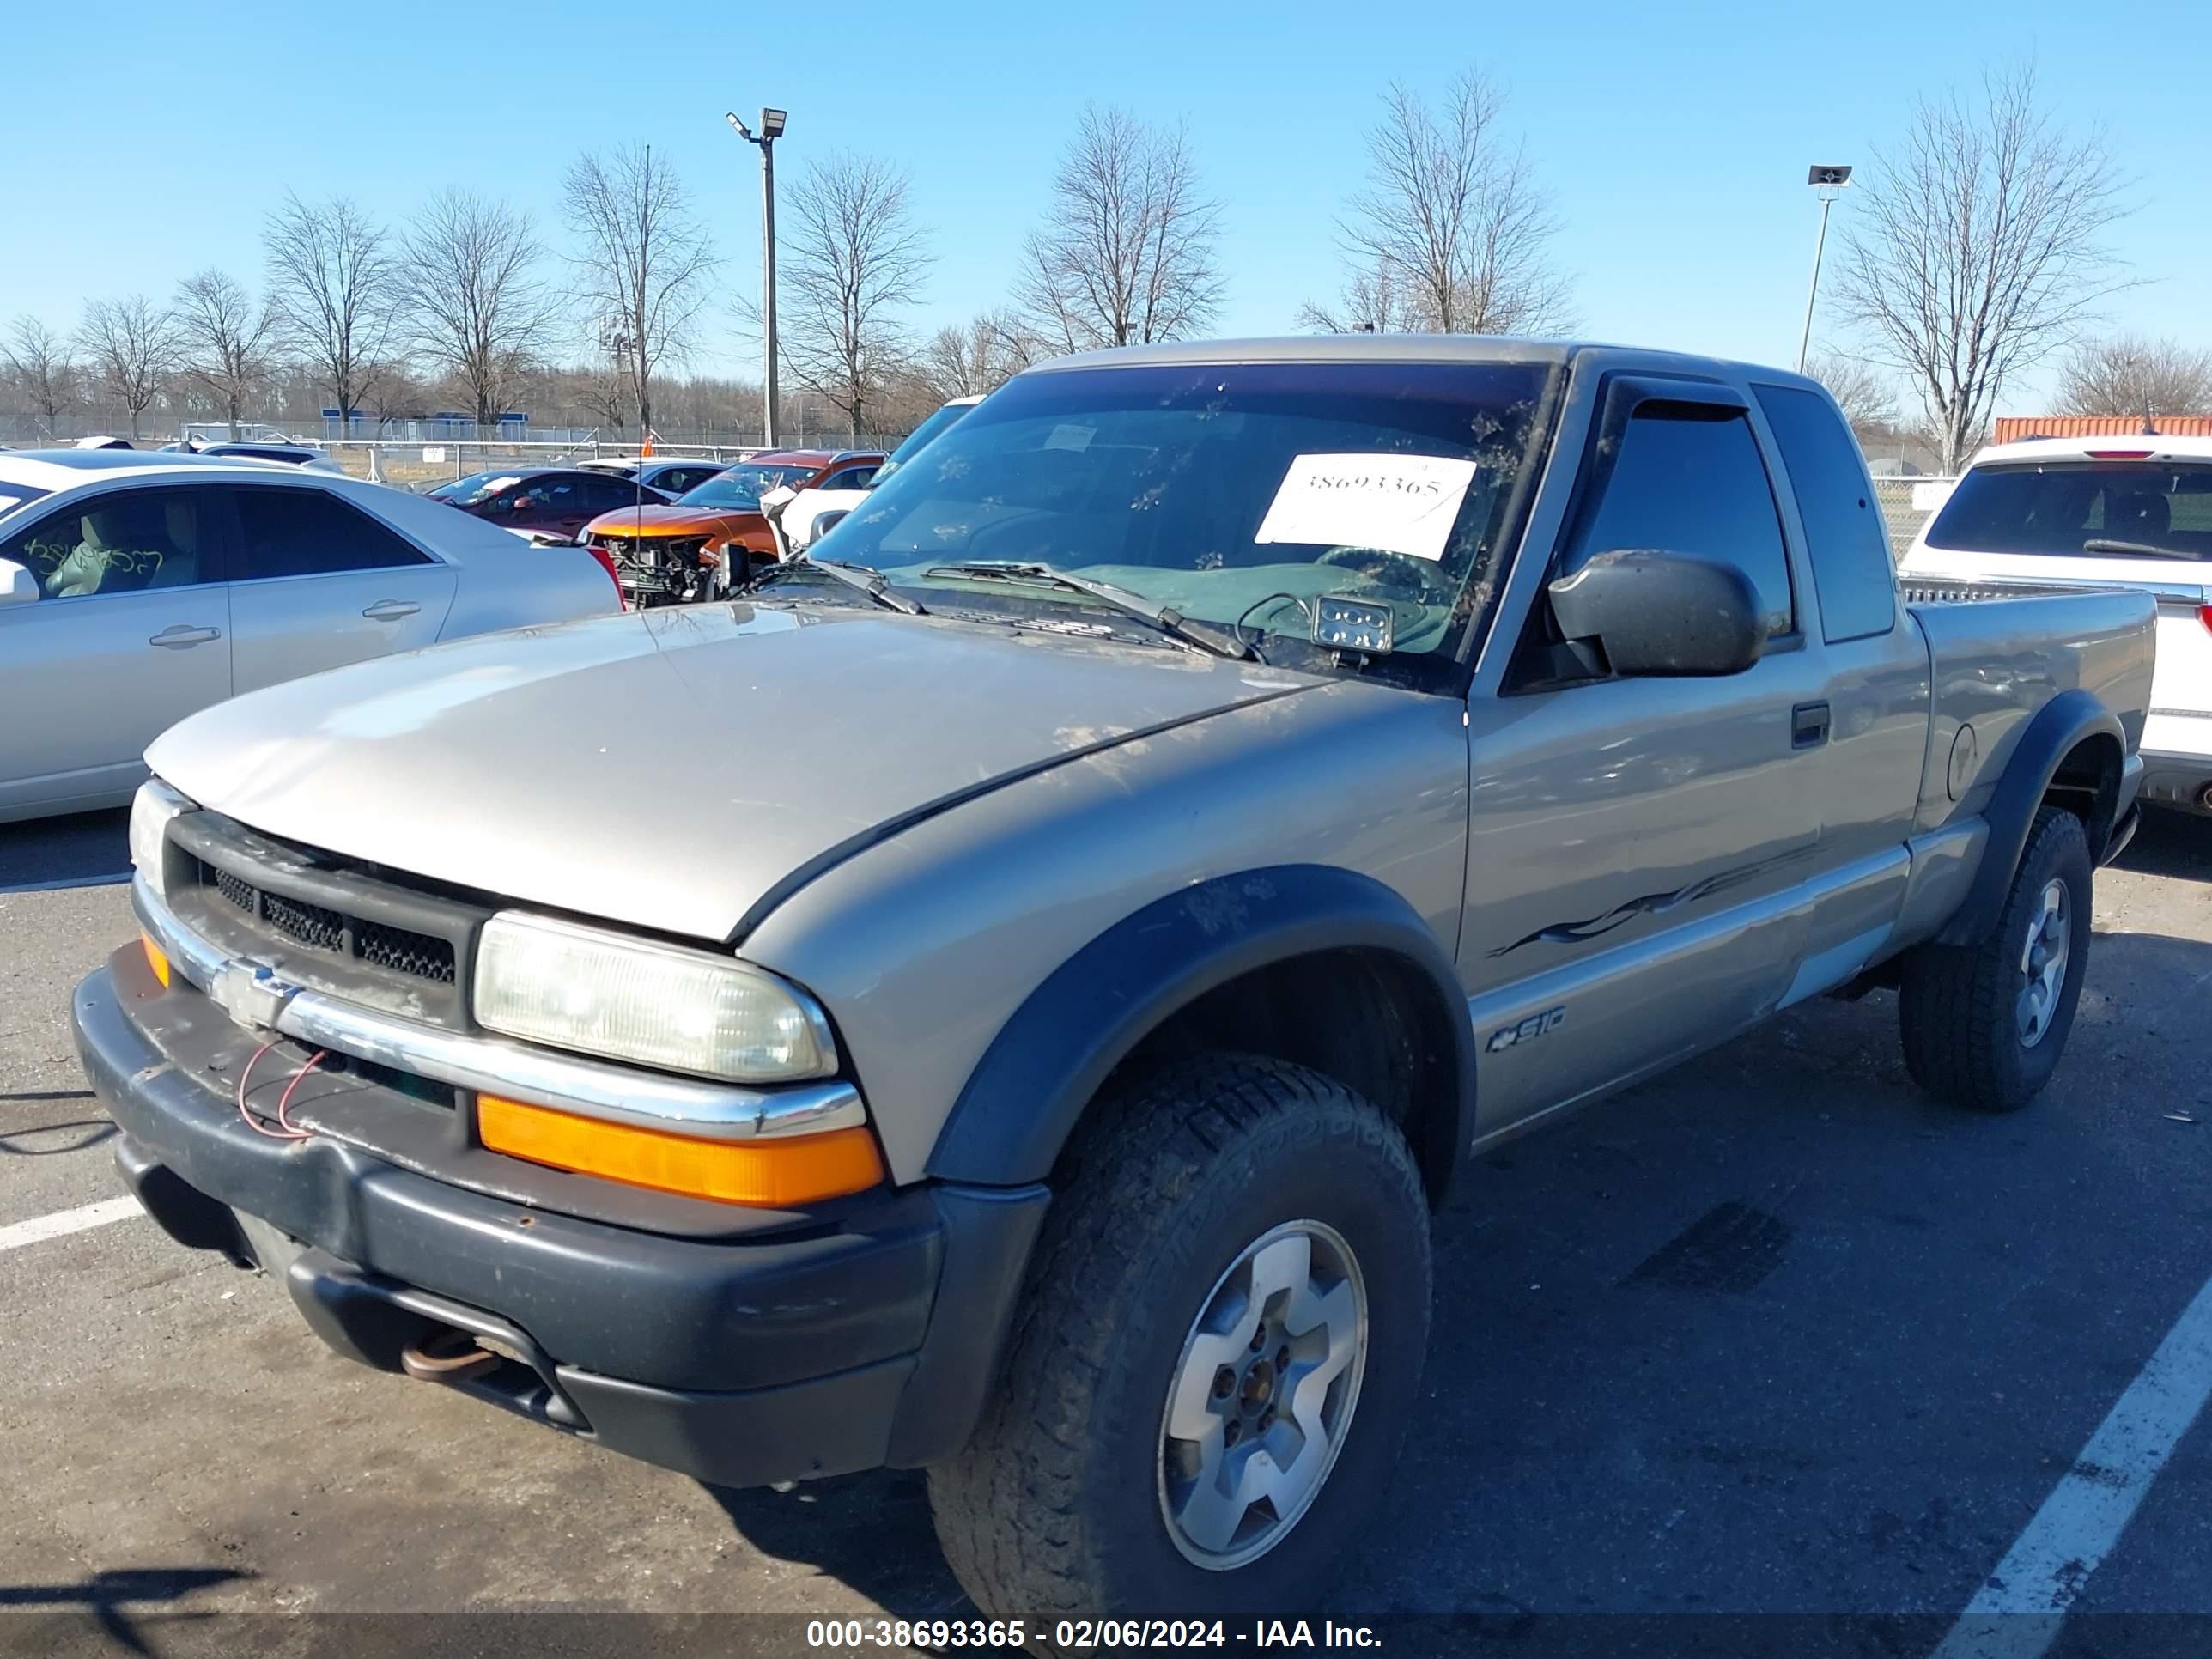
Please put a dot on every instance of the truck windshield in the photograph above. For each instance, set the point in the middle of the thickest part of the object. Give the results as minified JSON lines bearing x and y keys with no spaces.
{"x":920,"y":439}
{"x":1236,"y":493}
{"x":2159,"y":509}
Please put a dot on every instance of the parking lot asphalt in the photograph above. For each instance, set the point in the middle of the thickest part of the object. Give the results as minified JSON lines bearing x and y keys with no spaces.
{"x":1775,"y":1335}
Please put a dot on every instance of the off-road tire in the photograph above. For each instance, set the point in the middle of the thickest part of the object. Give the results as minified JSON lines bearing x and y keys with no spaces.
{"x":1956,"y":1004}
{"x":1054,"y":1509}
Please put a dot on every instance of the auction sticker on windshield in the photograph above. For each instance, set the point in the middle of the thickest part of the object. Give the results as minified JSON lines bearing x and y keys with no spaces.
{"x":1396,"y":503}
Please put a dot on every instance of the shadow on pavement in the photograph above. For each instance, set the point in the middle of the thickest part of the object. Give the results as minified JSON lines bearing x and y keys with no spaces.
{"x":871,"y":1532}
{"x":2177,"y":845}
{"x":78,"y":1132}
{"x":105,"y":1596}
{"x":86,"y":849}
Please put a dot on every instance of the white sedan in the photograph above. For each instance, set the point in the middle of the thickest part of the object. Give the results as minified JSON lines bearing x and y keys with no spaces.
{"x":137,"y":588}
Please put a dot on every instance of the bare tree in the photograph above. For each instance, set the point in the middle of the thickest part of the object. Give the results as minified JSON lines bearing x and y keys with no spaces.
{"x":1868,"y":400}
{"x":2128,"y":374}
{"x":132,"y":346}
{"x":1980,"y":249}
{"x":604,"y":389}
{"x":974,"y":358}
{"x":1380,"y":298}
{"x":220,"y":332}
{"x":1452,"y":234}
{"x":39,"y":359}
{"x":853,"y":265}
{"x":1127,"y":253}
{"x":648,"y":262}
{"x":477,"y":311}
{"x":334,"y":292}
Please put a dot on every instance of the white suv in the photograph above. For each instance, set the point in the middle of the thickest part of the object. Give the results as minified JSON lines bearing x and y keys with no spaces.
{"x":2103,"y":512}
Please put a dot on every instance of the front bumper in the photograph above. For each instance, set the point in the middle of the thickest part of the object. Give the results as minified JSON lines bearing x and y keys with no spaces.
{"x":869,"y":1338}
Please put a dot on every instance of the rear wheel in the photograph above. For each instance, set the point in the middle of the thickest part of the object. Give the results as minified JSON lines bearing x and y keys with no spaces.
{"x":1984,"y":1024}
{"x":1217,"y":1351}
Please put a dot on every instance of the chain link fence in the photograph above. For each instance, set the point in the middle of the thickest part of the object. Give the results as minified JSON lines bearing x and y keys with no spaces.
{"x":1906,"y":504}
{"x":420,"y":466}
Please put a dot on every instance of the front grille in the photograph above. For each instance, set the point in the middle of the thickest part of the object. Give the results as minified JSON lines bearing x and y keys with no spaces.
{"x":415,"y":955}
{"x":353,"y":931}
{"x":373,"y":943}
{"x":304,"y":924}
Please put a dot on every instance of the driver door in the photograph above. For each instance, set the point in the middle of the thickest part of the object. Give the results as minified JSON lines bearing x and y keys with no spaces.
{"x":131,"y":633}
{"x":1636,"y":846}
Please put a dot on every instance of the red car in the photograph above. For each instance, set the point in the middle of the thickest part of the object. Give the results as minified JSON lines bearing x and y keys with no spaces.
{"x":552,"y":501}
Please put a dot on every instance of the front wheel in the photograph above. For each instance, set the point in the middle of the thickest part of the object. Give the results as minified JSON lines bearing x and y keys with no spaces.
{"x":1984,"y":1024}
{"x":1217,"y":1349}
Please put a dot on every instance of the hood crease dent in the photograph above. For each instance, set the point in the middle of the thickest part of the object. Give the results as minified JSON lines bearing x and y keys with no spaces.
{"x":684,"y":770}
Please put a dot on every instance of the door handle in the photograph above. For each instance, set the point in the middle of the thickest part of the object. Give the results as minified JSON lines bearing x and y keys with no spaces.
{"x":391,"y":610}
{"x":183,"y":635}
{"x":1809,"y":726}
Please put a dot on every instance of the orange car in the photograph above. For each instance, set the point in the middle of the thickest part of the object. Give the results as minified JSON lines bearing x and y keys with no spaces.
{"x":664,"y":553}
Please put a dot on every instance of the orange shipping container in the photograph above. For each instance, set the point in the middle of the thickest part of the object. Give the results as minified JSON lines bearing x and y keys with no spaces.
{"x":2011,"y":429}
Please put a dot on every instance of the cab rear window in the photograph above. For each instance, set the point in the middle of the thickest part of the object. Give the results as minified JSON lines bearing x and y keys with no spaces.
{"x":2122,"y":509}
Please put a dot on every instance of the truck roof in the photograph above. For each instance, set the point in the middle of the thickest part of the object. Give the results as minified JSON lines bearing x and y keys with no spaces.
{"x":1405,"y":348}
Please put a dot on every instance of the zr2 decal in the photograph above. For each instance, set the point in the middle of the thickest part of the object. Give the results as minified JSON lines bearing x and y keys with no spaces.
{"x":1527,"y":1031}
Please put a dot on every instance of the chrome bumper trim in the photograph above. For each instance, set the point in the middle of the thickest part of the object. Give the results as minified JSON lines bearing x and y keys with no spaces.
{"x":614,"y":1094}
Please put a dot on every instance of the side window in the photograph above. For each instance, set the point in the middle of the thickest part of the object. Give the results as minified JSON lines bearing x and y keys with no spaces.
{"x":1694,"y":485}
{"x":310,"y":532}
{"x":123,"y":542}
{"x":1843,"y":529}
{"x":605,"y":494}
{"x":852,"y":478}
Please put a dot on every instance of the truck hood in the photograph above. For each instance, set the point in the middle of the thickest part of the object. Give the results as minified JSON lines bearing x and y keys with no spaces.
{"x":682,"y":769}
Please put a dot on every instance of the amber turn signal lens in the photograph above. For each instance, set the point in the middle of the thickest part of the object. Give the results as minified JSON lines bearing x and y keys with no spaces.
{"x":155,"y":959}
{"x":771,"y":1172}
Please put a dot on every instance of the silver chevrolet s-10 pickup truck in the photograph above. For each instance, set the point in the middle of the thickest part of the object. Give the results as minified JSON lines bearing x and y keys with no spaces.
{"x":1116,"y":880}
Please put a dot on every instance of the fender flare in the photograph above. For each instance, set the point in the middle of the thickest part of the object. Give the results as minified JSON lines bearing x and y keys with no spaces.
{"x":2051,"y":734}
{"x":1025,"y":1095}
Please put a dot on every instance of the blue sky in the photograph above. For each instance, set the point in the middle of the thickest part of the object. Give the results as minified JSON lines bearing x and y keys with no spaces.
{"x":148,"y":141}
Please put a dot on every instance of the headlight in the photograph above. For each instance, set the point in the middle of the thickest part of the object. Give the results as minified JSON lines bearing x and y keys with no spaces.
{"x":152,"y":810}
{"x":601,"y":993}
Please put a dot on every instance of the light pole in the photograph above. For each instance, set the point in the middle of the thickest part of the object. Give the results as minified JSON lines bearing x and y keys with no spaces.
{"x":771,"y":129}
{"x":1829,"y":181}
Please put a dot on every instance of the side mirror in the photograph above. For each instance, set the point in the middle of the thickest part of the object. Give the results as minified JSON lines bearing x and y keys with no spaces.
{"x":1658,"y":613}
{"x":826,"y":522}
{"x":17,"y":585}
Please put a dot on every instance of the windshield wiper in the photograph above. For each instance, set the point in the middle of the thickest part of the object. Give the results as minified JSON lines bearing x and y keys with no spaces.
{"x":2140,"y":550}
{"x":858,"y":576}
{"x":1219,"y":640}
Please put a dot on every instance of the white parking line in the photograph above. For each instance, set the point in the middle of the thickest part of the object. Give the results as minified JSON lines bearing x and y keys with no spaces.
{"x":2018,"y":1612}
{"x":39,"y":1229}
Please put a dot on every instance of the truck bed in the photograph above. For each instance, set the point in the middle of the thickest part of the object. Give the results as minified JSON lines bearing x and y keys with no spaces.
{"x":1998,"y":651}
{"x":1945,"y":590}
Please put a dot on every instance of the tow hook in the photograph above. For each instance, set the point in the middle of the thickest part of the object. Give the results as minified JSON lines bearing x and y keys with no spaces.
{"x":446,"y":1355}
